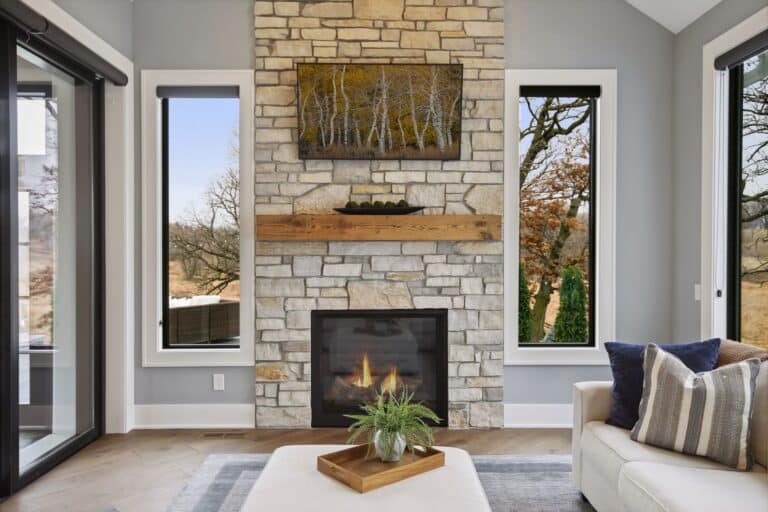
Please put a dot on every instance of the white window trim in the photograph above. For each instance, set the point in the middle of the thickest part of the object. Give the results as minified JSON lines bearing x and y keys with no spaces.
{"x":714,"y":175}
{"x":152,"y":352}
{"x":606,"y":212}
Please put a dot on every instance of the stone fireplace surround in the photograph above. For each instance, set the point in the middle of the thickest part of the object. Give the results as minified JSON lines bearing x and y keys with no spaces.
{"x":294,"y":278}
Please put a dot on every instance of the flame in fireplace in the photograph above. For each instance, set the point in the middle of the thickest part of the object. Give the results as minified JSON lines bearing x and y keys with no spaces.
{"x":364,"y":381}
{"x":389,"y":384}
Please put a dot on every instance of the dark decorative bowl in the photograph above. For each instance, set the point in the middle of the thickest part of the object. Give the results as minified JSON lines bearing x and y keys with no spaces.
{"x":396,"y":210}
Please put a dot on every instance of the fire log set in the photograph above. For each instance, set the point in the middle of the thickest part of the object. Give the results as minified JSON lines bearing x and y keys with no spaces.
{"x":365,"y":382}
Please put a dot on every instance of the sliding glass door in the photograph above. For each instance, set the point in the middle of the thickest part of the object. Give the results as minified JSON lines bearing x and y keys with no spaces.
{"x":52,"y":258}
{"x":748,"y":243}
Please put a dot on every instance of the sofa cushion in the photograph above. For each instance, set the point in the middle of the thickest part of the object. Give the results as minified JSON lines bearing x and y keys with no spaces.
{"x":759,"y":434}
{"x":608,"y":448}
{"x":627,"y":368}
{"x":607,"y":438}
{"x":652,"y":486}
{"x":704,"y":414}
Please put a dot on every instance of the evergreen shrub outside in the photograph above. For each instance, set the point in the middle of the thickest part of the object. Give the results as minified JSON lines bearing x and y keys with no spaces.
{"x":571,"y":323}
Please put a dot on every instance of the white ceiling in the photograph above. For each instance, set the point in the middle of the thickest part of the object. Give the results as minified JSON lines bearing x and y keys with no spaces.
{"x":675,"y":15}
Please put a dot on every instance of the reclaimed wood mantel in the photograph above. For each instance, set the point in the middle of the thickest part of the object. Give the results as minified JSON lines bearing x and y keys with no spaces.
{"x":378,"y":227}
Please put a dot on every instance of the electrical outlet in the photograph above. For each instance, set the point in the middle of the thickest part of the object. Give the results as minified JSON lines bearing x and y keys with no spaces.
{"x":697,"y":292}
{"x":218,"y":382}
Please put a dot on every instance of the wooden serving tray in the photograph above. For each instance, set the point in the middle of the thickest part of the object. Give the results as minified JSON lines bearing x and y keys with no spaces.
{"x":351,"y":467}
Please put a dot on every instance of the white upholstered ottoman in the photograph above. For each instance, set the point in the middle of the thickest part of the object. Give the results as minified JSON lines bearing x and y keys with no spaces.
{"x":291,"y":482}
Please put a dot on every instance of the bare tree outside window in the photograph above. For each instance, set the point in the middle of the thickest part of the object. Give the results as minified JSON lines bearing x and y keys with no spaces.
{"x":205,"y":243}
{"x":753,"y":198}
{"x":202,"y":203}
{"x":555,"y":185}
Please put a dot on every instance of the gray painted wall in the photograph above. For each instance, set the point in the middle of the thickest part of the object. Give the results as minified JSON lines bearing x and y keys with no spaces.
{"x":659,"y":102}
{"x":175,"y":34}
{"x":686,"y":199}
{"x":112,"y":20}
{"x":547,"y":384}
{"x":611,"y":34}
{"x":189,"y":34}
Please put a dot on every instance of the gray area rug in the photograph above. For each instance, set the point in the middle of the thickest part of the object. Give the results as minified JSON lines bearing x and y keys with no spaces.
{"x":513,"y":483}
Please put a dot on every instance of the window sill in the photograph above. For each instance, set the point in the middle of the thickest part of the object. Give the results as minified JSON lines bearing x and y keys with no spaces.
{"x":180,"y":357}
{"x":556,"y":356}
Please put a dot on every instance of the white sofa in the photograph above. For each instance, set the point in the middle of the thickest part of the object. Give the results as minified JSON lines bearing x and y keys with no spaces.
{"x":616,"y":474}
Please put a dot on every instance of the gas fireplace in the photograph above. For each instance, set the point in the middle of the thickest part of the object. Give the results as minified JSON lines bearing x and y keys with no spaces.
{"x":359,"y":353}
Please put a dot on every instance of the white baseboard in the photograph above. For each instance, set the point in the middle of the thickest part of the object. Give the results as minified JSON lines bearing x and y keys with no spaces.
{"x":160,"y":416}
{"x":192,"y":416}
{"x":538,"y":415}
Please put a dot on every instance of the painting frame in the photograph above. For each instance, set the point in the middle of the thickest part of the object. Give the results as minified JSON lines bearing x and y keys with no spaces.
{"x":455,"y":152}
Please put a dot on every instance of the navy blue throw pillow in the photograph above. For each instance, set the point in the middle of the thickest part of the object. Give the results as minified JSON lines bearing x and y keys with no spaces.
{"x":627,"y":367}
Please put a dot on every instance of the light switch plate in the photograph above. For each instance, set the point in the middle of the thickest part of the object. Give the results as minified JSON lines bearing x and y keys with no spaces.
{"x":218,"y":382}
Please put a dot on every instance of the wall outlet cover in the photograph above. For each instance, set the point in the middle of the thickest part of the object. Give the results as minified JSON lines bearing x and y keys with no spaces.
{"x":218,"y":382}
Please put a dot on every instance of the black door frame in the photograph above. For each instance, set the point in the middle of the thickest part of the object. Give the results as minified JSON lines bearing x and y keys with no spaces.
{"x":10,"y":478}
{"x":9,"y":313}
{"x":733,"y":219}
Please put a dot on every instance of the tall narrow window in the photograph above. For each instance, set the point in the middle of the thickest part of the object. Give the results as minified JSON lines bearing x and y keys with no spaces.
{"x":557,"y":215}
{"x":201,"y":217}
{"x":748,"y":190}
{"x":197,"y":217}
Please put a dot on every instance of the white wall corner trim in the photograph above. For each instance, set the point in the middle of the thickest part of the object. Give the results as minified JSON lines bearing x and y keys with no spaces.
{"x":605,"y":262}
{"x":714,"y":175}
{"x":162,"y":416}
{"x":538,"y":415}
{"x":119,"y":226}
{"x":152,"y":354}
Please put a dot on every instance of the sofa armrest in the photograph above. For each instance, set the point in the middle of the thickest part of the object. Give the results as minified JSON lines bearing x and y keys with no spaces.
{"x":591,"y":402}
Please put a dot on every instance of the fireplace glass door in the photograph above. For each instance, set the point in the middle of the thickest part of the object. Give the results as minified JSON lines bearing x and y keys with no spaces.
{"x":359,"y":354}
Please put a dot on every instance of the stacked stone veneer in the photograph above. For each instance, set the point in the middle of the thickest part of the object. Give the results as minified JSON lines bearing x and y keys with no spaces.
{"x":293,"y":278}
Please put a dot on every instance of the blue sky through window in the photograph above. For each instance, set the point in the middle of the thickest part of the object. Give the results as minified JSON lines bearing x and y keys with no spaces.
{"x":201,"y":138}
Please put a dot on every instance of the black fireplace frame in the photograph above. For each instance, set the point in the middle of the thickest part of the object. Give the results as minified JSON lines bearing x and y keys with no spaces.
{"x":326,"y":419}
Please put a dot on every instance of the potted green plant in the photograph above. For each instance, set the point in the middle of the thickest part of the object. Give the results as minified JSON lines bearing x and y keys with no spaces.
{"x":393,"y":424}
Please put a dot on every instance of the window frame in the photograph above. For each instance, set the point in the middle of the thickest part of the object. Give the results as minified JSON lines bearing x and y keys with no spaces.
{"x":735,"y":126}
{"x":566,"y":91}
{"x":713,"y":290}
{"x":603,"y":201}
{"x":734,"y":204}
{"x":165,"y":126}
{"x":154,"y":354}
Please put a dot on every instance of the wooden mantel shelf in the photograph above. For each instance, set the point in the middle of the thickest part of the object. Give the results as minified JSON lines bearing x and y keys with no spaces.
{"x":378,"y":227}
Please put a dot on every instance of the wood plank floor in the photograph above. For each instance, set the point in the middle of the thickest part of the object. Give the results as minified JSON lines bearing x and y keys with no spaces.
{"x":143,"y":471}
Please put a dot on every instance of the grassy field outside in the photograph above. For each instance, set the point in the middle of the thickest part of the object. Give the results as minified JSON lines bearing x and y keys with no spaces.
{"x":754,"y":288}
{"x":180,"y":286}
{"x":754,"y":314}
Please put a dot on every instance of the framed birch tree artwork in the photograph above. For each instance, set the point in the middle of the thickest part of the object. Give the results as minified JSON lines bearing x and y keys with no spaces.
{"x":379,"y":111}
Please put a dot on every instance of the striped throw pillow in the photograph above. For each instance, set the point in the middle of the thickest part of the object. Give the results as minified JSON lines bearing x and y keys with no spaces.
{"x":706,"y":414}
